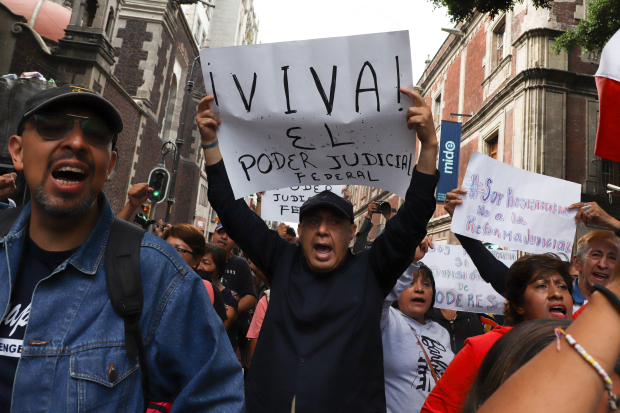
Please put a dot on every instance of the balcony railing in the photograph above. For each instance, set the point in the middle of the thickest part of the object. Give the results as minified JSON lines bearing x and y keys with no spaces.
{"x":610,"y":174}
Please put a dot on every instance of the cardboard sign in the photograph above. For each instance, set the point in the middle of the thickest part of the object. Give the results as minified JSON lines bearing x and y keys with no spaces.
{"x":517,"y":209}
{"x":458,"y":283}
{"x":283,"y":204}
{"x":314,"y":112}
{"x":449,"y":155}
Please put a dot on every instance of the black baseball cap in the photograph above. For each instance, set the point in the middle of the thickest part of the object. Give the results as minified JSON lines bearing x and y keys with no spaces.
{"x":327,"y":199}
{"x":74,"y":94}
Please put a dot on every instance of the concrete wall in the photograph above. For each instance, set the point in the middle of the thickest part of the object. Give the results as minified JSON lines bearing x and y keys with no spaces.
{"x":225,"y":23}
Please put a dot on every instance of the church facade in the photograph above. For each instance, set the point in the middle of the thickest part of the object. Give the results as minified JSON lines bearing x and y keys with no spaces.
{"x":136,"y":53}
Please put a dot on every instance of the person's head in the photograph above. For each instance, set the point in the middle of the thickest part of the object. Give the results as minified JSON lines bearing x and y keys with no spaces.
{"x":538,"y":286}
{"x":418,"y":299}
{"x":290,"y":235}
{"x":507,"y":355}
{"x":595,"y":260}
{"x":221,"y":238}
{"x":188,"y":241}
{"x":325,"y":229}
{"x":64,"y":145}
{"x":213,"y":262}
{"x":572,"y":271}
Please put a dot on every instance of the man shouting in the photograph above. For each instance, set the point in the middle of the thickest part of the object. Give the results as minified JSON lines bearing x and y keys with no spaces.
{"x":63,"y":348}
{"x":320,"y":345}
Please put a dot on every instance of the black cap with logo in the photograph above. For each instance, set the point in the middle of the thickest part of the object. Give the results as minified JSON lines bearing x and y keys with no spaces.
{"x":327,"y":199}
{"x":74,"y":94}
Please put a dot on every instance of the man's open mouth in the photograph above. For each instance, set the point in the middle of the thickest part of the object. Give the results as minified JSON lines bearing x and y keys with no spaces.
{"x":323,"y":251}
{"x":418,"y":300}
{"x":69,"y":175}
{"x":600,"y":277}
{"x":558,"y":311}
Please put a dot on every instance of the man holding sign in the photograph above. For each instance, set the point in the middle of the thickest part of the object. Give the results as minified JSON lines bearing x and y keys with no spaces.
{"x":320,"y":345}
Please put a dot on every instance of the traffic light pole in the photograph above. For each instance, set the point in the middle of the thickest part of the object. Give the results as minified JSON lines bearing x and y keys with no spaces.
{"x":180,"y":141}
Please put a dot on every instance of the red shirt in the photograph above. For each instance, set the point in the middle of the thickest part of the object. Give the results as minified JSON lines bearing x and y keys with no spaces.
{"x":454,"y":384}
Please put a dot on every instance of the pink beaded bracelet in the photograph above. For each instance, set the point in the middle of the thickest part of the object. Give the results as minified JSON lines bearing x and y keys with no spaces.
{"x":613,"y":400}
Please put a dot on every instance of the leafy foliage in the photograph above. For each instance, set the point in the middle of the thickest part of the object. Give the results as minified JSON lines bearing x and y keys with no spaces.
{"x":461,"y":10}
{"x":601,"y":23}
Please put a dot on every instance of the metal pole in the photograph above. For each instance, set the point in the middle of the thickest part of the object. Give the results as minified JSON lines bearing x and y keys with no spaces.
{"x":180,"y":140}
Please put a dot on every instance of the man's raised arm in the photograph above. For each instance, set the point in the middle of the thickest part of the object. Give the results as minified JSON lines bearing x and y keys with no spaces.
{"x":263,"y":246}
{"x":208,"y":123}
{"x":394,"y":249}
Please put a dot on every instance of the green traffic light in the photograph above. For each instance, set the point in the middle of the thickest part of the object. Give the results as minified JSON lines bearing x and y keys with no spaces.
{"x":156,"y":194}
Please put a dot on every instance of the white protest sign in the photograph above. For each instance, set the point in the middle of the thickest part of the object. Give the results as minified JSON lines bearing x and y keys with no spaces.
{"x":314,"y":112}
{"x":517,"y":209}
{"x":283,"y":204}
{"x":458,"y":283}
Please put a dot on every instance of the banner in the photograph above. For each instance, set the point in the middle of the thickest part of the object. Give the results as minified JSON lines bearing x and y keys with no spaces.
{"x":458,"y":283}
{"x":314,"y":112}
{"x":517,"y":209}
{"x":449,"y":155}
{"x":283,"y":204}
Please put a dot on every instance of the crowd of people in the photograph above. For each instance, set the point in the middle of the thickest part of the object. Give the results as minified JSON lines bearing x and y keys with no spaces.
{"x":276,"y":321}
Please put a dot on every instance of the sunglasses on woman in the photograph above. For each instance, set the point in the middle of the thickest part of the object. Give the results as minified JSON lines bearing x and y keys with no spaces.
{"x":56,"y":126}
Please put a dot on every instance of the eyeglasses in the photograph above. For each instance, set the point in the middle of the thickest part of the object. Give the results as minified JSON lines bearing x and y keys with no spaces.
{"x":181,"y":250}
{"x":55,"y":126}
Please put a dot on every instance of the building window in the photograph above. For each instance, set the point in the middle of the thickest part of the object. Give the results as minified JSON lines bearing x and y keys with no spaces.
{"x":202,"y":199}
{"x":110,"y":23}
{"x":90,"y":10}
{"x":493,"y":147}
{"x":499,"y":35}
{"x":198,"y":31}
{"x":172,"y":97}
{"x":610,"y":174}
{"x":437,"y":110}
{"x":213,"y":215}
{"x":203,"y":37}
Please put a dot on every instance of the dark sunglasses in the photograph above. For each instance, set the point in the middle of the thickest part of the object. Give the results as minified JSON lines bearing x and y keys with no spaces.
{"x":56,"y":126}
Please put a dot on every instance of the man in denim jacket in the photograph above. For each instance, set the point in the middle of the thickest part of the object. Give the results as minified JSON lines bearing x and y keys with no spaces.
{"x":62,"y":346}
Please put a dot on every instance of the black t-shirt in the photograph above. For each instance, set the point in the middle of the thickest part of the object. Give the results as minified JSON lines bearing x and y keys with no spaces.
{"x":36,"y":264}
{"x":238,"y":277}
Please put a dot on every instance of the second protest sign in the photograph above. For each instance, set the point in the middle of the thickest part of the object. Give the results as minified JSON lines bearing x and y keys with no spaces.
{"x":283,"y":204}
{"x":458,"y":283}
{"x":517,"y":209}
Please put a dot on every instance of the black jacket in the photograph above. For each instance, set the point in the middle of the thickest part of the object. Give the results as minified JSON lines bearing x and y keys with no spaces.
{"x":465,"y":325}
{"x":321,"y":338}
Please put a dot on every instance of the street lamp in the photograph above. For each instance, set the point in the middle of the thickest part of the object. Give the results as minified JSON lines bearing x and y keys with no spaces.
{"x":456,"y":32}
{"x":180,"y":140}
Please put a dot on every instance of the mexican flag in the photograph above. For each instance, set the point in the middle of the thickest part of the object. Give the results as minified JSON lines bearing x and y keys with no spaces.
{"x":608,"y":85}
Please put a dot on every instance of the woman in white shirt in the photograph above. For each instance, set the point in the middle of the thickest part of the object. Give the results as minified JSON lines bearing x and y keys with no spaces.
{"x":416,"y":350}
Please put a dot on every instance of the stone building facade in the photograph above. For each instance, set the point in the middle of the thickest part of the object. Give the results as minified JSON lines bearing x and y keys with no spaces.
{"x":234,"y":23}
{"x":229,"y":23}
{"x":526,"y":106}
{"x":136,"y":54}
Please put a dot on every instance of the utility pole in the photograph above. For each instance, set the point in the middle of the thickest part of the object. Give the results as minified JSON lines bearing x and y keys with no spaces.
{"x":180,"y":140}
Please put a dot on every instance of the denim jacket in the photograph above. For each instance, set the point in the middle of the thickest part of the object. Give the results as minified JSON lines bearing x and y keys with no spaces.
{"x":74,"y":337}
